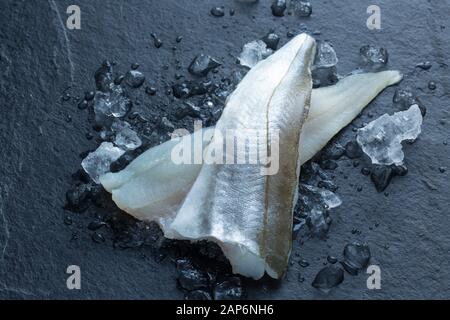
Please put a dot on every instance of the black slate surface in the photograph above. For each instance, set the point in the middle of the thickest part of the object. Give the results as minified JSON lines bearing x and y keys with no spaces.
{"x":40,"y":60}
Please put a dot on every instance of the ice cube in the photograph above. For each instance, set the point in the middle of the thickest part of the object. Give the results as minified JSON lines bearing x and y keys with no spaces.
{"x":330,"y":199}
{"x":126,"y":137}
{"x":324,"y":69}
{"x":97,"y":163}
{"x":382,"y":138}
{"x":356,"y":257}
{"x":230,"y":289}
{"x":326,"y":56}
{"x":314,"y":206}
{"x":278,"y":8}
{"x":190,"y":277}
{"x":112,"y":103}
{"x":301,"y":8}
{"x":271,"y":40}
{"x":253,"y":52}
{"x":374,"y":55}
{"x":103,"y":77}
{"x":134,"y":78}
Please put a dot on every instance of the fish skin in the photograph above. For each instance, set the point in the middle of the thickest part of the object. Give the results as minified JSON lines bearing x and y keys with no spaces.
{"x":235,"y":205}
{"x":117,"y":181}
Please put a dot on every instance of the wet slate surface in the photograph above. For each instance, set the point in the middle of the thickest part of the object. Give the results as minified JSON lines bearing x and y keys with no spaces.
{"x":40,"y":60}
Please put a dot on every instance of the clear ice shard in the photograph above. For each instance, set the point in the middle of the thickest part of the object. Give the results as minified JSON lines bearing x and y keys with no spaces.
{"x":374,"y":55}
{"x":253,"y":52}
{"x":111,"y":103}
{"x":301,"y":8}
{"x":326,"y":56}
{"x":126,"y":138}
{"x":324,"y":69}
{"x":314,"y":206}
{"x":97,"y":163}
{"x":382,"y":138}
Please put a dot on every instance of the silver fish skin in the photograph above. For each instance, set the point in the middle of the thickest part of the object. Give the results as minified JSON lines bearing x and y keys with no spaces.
{"x":249,"y":214}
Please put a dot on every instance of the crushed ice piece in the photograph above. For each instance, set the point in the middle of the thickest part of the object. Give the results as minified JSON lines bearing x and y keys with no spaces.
{"x":382,"y":138}
{"x":374,"y":55}
{"x":126,"y":137}
{"x":316,"y":198}
{"x":328,"y":278}
{"x":330,"y":199}
{"x":353,"y":150}
{"x":113,"y":103}
{"x":202,"y":65}
{"x":328,"y":184}
{"x":77,"y":198}
{"x":301,"y":8}
{"x":188,"y":89}
{"x":271,"y":40}
{"x":324,"y":71}
{"x":405,"y":98}
{"x":381,"y":176}
{"x":97,"y":163}
{"x":278,"y":8}
{"x":230,"y":289}
{"x":326,"y":56}
{"x":333,"y":151}
{"x":103,"y":77}
{"x":314,"y":206}
{"x":191,"y":278}
{"x":253,"y":52}
{"x":134,"y":78}
{"x":167,"y":125}
{"x":356,"y":257}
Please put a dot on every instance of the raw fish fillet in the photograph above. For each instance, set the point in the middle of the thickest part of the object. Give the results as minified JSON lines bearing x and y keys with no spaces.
{"x":234,"y":205}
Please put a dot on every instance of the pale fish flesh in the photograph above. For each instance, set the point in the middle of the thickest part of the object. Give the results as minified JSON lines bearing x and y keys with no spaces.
{"x":152,"y":187}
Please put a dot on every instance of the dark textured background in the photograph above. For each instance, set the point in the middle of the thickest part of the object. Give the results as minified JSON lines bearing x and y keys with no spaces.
{"x":39,"y":150}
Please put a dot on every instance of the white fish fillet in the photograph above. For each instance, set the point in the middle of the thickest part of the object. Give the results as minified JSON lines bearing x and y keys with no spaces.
{"x":152,"y":187}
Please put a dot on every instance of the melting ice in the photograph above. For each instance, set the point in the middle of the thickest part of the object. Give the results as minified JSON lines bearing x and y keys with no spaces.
{"x":97,"y":163}
{"x":126,"y":137}
{"x":382,"y":138}
{"x":253,"y":52}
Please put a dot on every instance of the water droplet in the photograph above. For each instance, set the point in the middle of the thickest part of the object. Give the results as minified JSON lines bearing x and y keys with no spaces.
{"x":303,"y":263}
{"x":98,"y":237}
{"x":218,"y":11}
{"x":426,"y":65}
{"x":68,"y":221}
{"x":89,"y":95}
{"x":328,"y":278}
{"x":150,"y":91}
{"x":83,"y":105}
{"x":432,"y":85}
{"x":332,"y":259}
{"x":156,"y":41}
